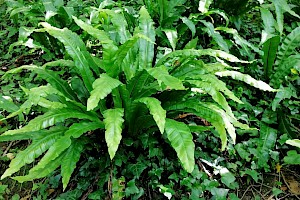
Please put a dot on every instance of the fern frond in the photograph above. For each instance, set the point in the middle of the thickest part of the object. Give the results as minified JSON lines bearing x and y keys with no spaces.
{"x":113,"y":121}
{"x":77,"y":50}
{"x":181,"y":140}
{"x":247,"y":79}
{"x":146,"y":48}
{"x":101,"y":88}
{"x":45,"y":140}
{"x":162,"y":76}
{"x":158,"y":113}
{"x":289,"y":44}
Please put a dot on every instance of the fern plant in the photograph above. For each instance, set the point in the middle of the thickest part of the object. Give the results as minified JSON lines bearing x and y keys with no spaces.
{"x":125,"y":87}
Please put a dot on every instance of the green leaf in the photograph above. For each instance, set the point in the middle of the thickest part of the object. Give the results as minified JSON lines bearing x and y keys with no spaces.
{"x":77,"y":50}
{"x":189,"y":24}
{"x":7,"y":104}
{"x":120,"y":57}
{"x":49,"y":119}
{"x":42,"y":172}
{"x":101,"y":88}
{"x":131,"y":188}
{"x":266,"y":142}
{"x":109,"y":48}
{"x":158,"y":113}
{"x":270,"y":49}
{"x":146,"y":48}
{"x":101,"y":35}
{"x":247,"y":79}
{"x":284,"y":69}
{"x":181,"y":140}
{"x":283,"y":93}
{"x":51,"y":77}
{"x":282,"y":6}
{"x":187,"y":53}
{"x":295,"y":142}
{"x":288,"y":47}
{"x":215,"y":35}
{"x":269,"y":24}
{"x":71,"y":157}
{"x":113,"y":121}
{"x":204,"y":5}
{"x":292,"y":158}
{"x":161,"y":75}
{"x":37,"y":148}
{"x":216,"y":116}
{"x":214,"y":93}
{"x":239,"y":40}
{"x":59,"y":63}
{"x":77,"y":129}
{"x":285,"y":125}
{"x":172,"y":37}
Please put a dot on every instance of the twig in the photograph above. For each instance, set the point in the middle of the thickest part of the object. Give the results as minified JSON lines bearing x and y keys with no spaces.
{"x":7,"y":149}
{"x":246,"y":191}
{"x":263,"y":197}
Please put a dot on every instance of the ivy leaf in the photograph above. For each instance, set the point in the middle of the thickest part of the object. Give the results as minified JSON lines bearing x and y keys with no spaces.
{"x":113,"y":120}
{"x":292,"y":158}
{"x":131,"y":188}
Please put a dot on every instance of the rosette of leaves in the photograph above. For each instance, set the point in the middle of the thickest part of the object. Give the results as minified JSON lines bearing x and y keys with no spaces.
{"x":124,"y":90}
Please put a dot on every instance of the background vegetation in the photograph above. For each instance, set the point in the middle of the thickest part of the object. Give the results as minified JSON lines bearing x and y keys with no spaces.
{"x":163,"y":99}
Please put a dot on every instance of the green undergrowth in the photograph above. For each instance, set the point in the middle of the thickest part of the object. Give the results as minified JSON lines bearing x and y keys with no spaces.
{"x":165,"y":99}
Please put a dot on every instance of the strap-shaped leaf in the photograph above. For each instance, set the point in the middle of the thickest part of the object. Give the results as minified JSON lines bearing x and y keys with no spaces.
{"x":158,"y":113}
{"x":282,"y":6}
{"x":239,"y":40}
{"x":109,"y":48}
{"x":51,"y":78}
{"x":76,"y":130}
{"x":146,"y":48}
{"x":202,"y":52}
{"x":161,"y":74}
{"x":49,"y":119}
{"x":289,"y":44}
{"x":60,"y":63}
{"x":217,"y":37}
{"x":113,"y":121}
{"x":215,"y":94}
{"x":284,"y":69}
{"x":101,"y":88}
{"x":60,"y":145}
{"x":266,"y":142}
{"x":295,"y":142}
{"x":121,"y":54}
{"x":270,"y":50}
{"x":77,"y":50}
{"x":41,"y":172}
{"x":71,"y":157}
{"x":37,"y":148}
{"x":204,"y":5}
{"x":101,"y":35}
{"x":181,"y":140}
{"x":201,"y":110}
{"x":247,"y":79}
{"x":7,"y":104}
{"x":220,"y":86}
